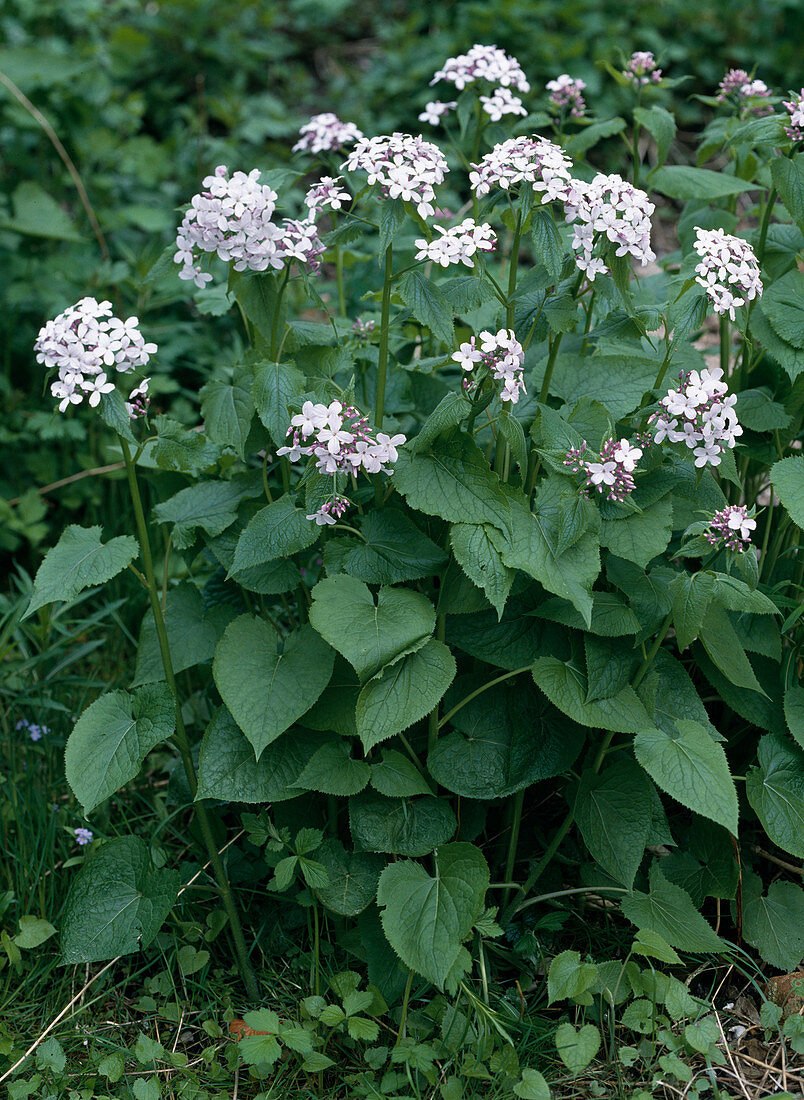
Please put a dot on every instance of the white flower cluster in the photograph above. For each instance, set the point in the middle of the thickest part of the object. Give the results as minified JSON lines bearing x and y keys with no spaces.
{"x":483,"y":63}
{"x":535,"y":160}
{"x":326,"y":193}
{"x":613,"y":474}
{"x":435,"y":110}
{"x":459,"y":244}
{"x":731,"y":526}
{"x":82,"y":344}
{"x":567,"y":92}
{"x":325,"y":132}
{"x":700,"y":415}
{"x":795,"y":108}
{"x":641,"y":69}
{"x":233,"y":217}
{"x":728,"y":271}
{"x":503,"y":356}
{"x":405,"y":167}
{"x":608,"y":207}
{"x":342,"y":440}
{"x":502,"y":102}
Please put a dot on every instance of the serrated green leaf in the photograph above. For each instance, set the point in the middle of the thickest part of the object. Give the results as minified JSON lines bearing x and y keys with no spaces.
{"x":577,"y":1048}
{"x":477,"y":555}
{"x":79,"y":560}
{"x":352,"y":878}
{"x":333,"y":770}
{"x":668,"y":911}
{"x":407,"y":827}
{"x":276,"y":385}
{"x":787,"y":478}
{"x":774,"y":923}
{"x":276,"y":531}
{"x":193,"y":634}
{"x":427,"y":304}
{"x":613,"y":812}
{"x":775,"y":790}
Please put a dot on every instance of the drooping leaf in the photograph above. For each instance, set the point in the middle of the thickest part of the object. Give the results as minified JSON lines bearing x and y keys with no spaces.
{"x":227,"y":409}
{"x":396,"y":776}
{"x":112,"y":738}
{"x":567,"y":689}
{"x":208,"y":505}
{"x":775,"y":790}
{"x":266,"y":691}
{"x":116,"y":904}
{"x":275,"y":387}
{"x":427,"y":304}
{"x":477,"y":555}
{"x":79,"y":560}
{"x":427,"y":917}
{"x":613,"y":812}
{"x":668,"y":911}
{"x":684,"y":182}
{"x":774,"y":923}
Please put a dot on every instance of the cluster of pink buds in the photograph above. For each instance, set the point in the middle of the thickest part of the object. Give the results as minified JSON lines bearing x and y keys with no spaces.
{"x":613,"y":475}
{"x":728,"y":271}
{"x":483,"y":63}
{"x":700,"y":415}
{"x":502,"y":355}
{"x":326,"y":132}
{"x":641,"y":69}
{"x":435,"y":110}
{"x":738,"y":87}
{"x":732,"y":526}
{"x":795,"y":108}
{"x":608,"y":208}
{"x":362,"y":328}
{"x":567,"y":92}
{"x":457,"y":245}
{"x":536,"y":161}
{"x":330,"y":511}
{"x":405,"y":167}
{"x":327,"y":193}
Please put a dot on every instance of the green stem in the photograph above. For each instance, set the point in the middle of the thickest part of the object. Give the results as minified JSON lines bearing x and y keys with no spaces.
{"x":651,"y":654}
{"x":403,"y":1019}
{"x":181,"y":738}
{"x":513,"y":264}
{"x":479,"y":691}
{"x":725,"y":346}
{"x":548,"y":371}
{"x":763,"y":229}
{"x":382,"y":364}
{"x":665,"y":365}
{"x":278,"y":315}
{"x":513,"y":840}
{"x":339,"y":279}
{"x":433,"y":723}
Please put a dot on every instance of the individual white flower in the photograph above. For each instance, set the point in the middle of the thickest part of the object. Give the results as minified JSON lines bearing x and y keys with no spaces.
{"x":502,"y":102}
{"x":627,"y":455}
{"x":435,"y":111}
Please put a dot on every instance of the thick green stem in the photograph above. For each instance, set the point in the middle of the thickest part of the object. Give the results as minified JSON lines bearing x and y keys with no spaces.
{"x":763,"y":229}
{"x":403,"y":1019}
{"x":433,"y":723}
{"x":181,"y":738}
{"x":513,"y":840}
{"x":513,"y":265}
{"x":339,"y":278}
{"x":382,"y":363}
{"x":548,"y":370}
{"x":725,"y":345}
{"x":278,"y":315}
{"x":479,"y":691}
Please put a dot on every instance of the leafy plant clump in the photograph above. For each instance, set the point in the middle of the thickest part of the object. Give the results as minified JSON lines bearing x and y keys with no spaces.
{"x":486,"y":599}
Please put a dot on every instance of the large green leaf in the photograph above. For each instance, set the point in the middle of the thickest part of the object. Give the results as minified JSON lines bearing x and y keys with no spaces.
{"x":565,"y":686}
{"x":400,"y":826}
{"x":112,"y":738}
{"x":333,"y":770}
{"x":116,"y":904}
{"x":427,"y":917}
{"x":193,"y":634}
{"x":427,"y":304}
{"x":577,"y":1048}
{"x":781,"y":304}
{"x":453,"y":482}
{"x":682,"y":181}
{"x":276,"y":531}
{"x":725,"y":651}
{"x":613,"y":812}
{"x":353,"y":878}
{"x":210,"y":505}
{"x":181,"y":450}
{"x":477,"y":554}
{"x":79,"y":560}
{"x":788,"y":178}
{"x":660,"y":124}
{"x":265,"y":690}
{"x":774,"y":923}
{"x":639,"y":537}
{"x":370,"y":635}
{"x":396,"y":776}
{"x":691,"y":596}
{"x":794,"y":711}
{"x":227,"y":769}
{"x":394,"y":550}
{"x":227,"y":409}
{"x":502,"y":741}
{"x":775,"y":790}
{"x":688,"y":765}
{"x":668,"y":911}
{"x":403,"y":692}
{"x":275,"y":387}
{"x":38,"y":214}
{"x":787,"y":478}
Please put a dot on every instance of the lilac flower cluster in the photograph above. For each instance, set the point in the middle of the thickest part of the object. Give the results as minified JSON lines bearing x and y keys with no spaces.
{"x":483,"y":63}
{"x":83,"y":836}
{"x":82,"y":343}
{"x":728,"y":271}
{"x":326,"y":132}
{"x":327,"y":193}
{"x":700,"y":415}
{"x":566,"y":91}
{"x":233,"y":218}
{"x":342,"y":443}
{"x":502,"y":102}
{"x":641,"y":69}
{"x":536,"y":161}
{"x":459,"y":244}
{"x":435,"y":110}
{"x":613,"y":475}
{"x":795,"y":108}
{"x":35,"y":731}
{"x":608,"y":207}
{"x":732,"y":526}
{"x":405,"y":167}
{"x":362,"y":328}
{"x":502,"y":355}
{"x":738,"y":87}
